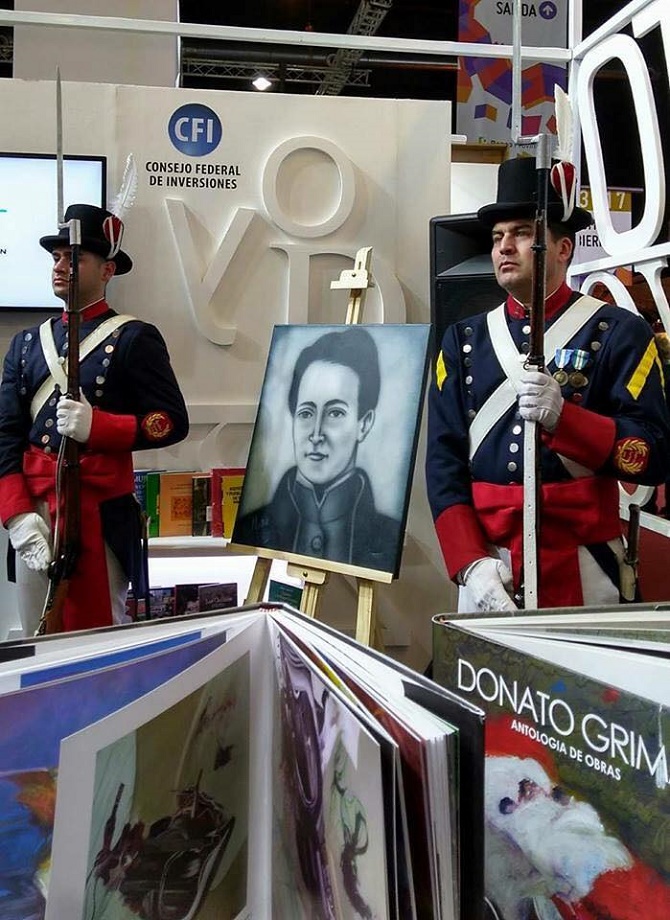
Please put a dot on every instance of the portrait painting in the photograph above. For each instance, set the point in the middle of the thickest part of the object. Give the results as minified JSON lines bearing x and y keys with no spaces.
{"x":334,"y":444}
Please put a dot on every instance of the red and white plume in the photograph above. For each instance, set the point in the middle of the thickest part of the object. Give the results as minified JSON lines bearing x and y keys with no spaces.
{"x":563,"y":173}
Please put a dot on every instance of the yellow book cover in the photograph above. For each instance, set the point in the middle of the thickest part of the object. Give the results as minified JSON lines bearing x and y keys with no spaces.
{"x":231,"y":490}
{"x":175,"y":505}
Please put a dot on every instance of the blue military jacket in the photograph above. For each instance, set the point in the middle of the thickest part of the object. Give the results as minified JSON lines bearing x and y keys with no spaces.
{"x":614,"y":422}
{"x":130,"y":383}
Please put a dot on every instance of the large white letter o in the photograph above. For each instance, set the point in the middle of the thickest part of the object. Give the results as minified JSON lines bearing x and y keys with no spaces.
{"x":644,"y":234}
{"x":309,"y":186}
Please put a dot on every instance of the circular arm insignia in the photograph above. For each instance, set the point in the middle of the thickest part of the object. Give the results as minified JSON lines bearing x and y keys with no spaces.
{"x":156,"y":426}
{"x":631,"y":455}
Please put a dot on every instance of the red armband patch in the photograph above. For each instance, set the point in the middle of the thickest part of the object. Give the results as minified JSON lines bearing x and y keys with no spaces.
{"x":156,"y":425}
{"x":631,"y":455}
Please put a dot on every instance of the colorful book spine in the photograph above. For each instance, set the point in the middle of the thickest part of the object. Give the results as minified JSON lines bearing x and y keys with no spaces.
{"x":231,"y":490}
{"x":226,"y":491}
{"x":175,"y":514}
{"x":152,"y":489}
{"x":140,"y":477}
{"x":201,"y":488}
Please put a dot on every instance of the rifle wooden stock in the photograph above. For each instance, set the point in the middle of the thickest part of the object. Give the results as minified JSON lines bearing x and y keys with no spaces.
{"x":629,"y":565}
{"x":68,"y":499}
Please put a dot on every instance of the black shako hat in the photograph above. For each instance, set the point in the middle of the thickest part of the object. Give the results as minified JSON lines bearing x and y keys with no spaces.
{"x":517,"y":197}
{"x":101,"y":233}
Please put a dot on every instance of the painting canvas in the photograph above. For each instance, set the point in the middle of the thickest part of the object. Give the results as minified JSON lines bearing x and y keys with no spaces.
{"x":160,"y":790}
{"x":35,"y":721}
{"x":334,"y":444}
{"x":329,"y":833}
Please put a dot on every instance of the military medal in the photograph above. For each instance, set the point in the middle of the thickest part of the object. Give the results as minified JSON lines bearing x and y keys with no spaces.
{"x":578,"y":380}
{"x":563,"y":357}
{"x":580,"y":358}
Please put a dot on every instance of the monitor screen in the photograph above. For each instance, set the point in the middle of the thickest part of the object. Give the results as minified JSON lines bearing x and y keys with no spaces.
{"x":28,"y":210}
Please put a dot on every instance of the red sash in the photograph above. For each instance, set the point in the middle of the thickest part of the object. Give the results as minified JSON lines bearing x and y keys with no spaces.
{"x":102,"y":476}
{"x":573,"y":513}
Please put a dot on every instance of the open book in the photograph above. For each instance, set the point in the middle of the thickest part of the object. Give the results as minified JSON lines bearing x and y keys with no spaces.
{"x":248,"y":764}
{"x":577,"y":791}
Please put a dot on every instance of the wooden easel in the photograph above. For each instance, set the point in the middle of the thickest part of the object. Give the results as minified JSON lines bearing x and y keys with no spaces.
{"x":357,"y":281}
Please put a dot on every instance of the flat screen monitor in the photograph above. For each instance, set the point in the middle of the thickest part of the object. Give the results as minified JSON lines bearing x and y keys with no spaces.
{"x":28,"y":210}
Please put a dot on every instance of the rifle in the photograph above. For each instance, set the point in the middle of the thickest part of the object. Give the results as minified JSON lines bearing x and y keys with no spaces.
{"x":630,"y":561}
{"x":527,"y":595}
{"x":67,"y":527}
{"x":532,"y":469}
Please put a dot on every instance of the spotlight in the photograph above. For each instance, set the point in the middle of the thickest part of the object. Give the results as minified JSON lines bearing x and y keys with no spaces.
{"x":261,"y":83}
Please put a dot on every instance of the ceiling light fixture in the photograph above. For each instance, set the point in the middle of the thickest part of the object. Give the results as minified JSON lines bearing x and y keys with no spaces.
{"x":261,"y":83}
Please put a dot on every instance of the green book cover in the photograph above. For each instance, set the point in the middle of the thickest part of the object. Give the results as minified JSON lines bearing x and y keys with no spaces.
{"x":280,"y":592}
{"x":576,"y":788}
{"x":152,"y":490}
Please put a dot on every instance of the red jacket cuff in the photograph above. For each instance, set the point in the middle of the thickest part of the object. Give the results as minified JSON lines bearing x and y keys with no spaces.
{"x":582,"y":436}
{"x":111,"y":432}
{"x":461,"y":538}
{"x":14,"y":496}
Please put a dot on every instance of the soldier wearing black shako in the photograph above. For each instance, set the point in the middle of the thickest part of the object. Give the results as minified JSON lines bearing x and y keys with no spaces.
{"x":130,"y":400}
{"x":600,"y":404}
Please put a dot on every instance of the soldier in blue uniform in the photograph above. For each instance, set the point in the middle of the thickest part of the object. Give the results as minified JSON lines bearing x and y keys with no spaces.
{"x":130,"y":400}
{"x":600,"y":405}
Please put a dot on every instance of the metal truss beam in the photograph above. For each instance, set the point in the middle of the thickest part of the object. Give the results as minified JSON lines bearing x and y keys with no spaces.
{"x":287,"y":73}
{"x":367,"y":19}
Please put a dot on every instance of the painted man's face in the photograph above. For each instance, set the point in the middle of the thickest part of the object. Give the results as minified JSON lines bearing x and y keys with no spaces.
{"x":326,"y":426}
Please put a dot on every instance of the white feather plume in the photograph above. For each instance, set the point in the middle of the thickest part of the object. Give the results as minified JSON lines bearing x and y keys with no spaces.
{"x":125,"y":198}
{"x":564,"y":125}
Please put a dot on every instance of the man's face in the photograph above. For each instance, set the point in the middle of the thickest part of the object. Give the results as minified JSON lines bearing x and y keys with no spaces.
{"x":512,"y":256}
{"x":94,"y":273}
{"x":326,"y":426}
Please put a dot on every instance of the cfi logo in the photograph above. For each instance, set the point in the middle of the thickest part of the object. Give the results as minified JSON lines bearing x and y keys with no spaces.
{"x":195,"y":130}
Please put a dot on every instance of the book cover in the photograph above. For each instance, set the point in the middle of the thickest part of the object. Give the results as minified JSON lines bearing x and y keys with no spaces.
{"x":136,"y":607}
{"x":232,"y":480}
{"x":186,"y":599}
{"x":201,"y":485}
{"x":217,"y":597}
{"x":175,"y":505}
{"x":280,"y":592}
{"x":576,"y":804}
{"x":152,"y":488}
{"x":35,"y":722}
{"x":204,"y":767}
{"x":140,"y":477}
{"x":226,"y":491}
{"x":161,"y":602}
{"x":162,"y":793}
{"x":217,"y":507}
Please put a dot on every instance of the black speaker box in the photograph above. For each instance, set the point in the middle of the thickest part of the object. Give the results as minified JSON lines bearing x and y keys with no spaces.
{"x":462,"y":278}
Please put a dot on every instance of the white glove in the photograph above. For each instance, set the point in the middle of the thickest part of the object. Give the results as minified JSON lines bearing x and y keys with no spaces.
{"x":490,"y":584}
{"x":74,"y":418}
{"x":540,"y":399}
{"x":30,"y":537}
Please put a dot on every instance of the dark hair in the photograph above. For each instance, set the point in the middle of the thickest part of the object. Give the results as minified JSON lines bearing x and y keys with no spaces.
{"x":558,"y":230}
{"x":353,"y":347}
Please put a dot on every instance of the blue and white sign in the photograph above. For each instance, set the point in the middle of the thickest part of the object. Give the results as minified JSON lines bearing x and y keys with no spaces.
{"x":195,"y":130}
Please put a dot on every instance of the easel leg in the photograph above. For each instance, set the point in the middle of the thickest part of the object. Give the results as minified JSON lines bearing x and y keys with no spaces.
{"x":314,"y":580}
{"x":366,"y":625}
{"x":259,"y":580}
